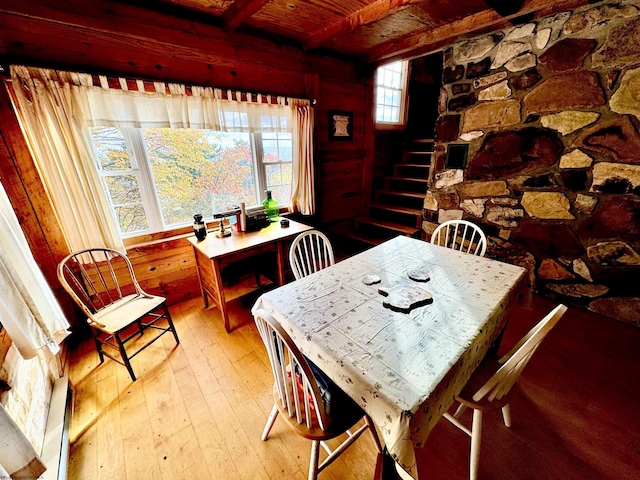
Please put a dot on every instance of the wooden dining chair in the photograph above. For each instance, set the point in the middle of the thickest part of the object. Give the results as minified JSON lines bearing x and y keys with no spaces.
{"x":102,"y":283}
{"x":310,"y":251}
{"x":460,"y":235}
{"x":491,"y":384}
{"x":311,"y":404}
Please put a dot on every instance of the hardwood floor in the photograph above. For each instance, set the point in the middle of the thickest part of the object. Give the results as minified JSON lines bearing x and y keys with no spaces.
{"x":197,"y":410}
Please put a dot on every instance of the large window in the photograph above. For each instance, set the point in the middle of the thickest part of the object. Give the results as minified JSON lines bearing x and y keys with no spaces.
{"x":157,"y":179}
{"x":391,"y":85}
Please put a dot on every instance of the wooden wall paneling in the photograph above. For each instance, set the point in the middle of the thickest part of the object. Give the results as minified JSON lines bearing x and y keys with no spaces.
{"x":154,"y":43}
{"x":166,"y":268}
{"x":340,"y":161}
{"x":122,"y":20}
{"x":341,"y":184}
{"x":368,"y":144}
{"x":108,"y":53}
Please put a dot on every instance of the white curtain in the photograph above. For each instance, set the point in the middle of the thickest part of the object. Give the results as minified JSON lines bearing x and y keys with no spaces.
{"x":51,"y":107}
{"x":302,"y":185}
{"x":18,"y":459}
{"x":169,"y":106}
{"x":56,"y":109}
{"x":28,"y":309}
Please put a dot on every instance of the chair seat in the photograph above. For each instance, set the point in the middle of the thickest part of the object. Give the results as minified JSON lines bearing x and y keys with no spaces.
{"x":119,"y":314}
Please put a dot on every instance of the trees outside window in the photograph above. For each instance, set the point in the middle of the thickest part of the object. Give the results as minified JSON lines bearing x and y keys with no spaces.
{"x":157,"y":179}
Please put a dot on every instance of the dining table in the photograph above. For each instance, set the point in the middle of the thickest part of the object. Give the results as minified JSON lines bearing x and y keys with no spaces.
{"x":400,"y":328}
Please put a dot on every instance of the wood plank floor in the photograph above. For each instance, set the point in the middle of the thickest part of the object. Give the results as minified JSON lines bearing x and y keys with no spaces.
{"x":197,"y":410}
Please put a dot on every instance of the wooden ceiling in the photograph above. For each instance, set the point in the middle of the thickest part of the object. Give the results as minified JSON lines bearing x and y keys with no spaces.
{"x":373,"y":31}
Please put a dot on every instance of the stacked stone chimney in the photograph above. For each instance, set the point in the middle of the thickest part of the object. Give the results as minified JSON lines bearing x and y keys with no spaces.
{"x":550,"y":112}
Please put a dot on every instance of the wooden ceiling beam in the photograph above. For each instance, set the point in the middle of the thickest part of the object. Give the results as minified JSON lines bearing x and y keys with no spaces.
{"x":373,"y":12}
{"x":239,"y":11}
{"x":427,"y":41}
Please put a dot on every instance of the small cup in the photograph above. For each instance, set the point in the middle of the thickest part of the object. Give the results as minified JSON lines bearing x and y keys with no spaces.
{"x":284,"y":222}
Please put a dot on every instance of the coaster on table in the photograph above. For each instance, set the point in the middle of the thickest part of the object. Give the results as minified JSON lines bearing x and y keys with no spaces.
{"x":405,"y":298}
{"x":418,"y":275}
{"x":371,"y":279}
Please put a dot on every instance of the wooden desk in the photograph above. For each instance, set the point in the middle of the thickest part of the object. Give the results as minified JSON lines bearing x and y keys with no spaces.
{"x":212,"y":254}
{"x":403,"y":369}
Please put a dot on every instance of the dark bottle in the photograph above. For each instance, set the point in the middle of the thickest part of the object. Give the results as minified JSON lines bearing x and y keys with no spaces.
{"x":271,"y":209}
{"x":199,"y":227}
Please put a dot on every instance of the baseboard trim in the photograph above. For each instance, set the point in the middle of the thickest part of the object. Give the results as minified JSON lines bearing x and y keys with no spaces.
{"x":55,"y":451}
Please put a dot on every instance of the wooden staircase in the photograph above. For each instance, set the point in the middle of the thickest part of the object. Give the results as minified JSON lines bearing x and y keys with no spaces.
{"x":397,"y":207}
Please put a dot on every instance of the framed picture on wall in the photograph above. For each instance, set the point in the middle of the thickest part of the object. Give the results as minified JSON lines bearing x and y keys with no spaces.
{"x":340,"y":125}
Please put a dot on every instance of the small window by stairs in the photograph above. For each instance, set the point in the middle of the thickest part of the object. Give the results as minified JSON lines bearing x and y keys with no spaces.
{"x":396,"y":208}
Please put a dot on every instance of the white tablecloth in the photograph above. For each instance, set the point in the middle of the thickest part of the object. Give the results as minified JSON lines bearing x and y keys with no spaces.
{"x":403,"y":369}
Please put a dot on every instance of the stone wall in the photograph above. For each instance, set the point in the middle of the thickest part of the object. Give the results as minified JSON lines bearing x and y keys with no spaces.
{"x":549,"y":111}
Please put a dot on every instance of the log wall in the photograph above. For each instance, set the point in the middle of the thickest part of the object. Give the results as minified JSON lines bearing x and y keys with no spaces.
{"x":118,"y":39}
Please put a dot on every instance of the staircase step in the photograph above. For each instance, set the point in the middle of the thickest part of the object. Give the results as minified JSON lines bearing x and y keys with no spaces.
{"x":396,"y":208}
{"x":396,"y":227}
{"x":413,"y":165}
{"x":423,"y":140}
{"x":402,"y":194}
{"x":406,"y":179}
{"x":365,"y":239}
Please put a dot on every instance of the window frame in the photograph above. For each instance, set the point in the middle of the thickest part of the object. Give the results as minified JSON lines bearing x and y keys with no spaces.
{"x":140,"y":167}
{"x":404,"y":97}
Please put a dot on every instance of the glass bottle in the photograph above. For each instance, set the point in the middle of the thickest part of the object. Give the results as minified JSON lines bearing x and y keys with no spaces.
{"x":271,"y":207}
{"x":199,"y":227}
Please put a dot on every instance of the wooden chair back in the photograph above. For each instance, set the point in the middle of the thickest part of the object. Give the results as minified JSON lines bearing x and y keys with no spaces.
{"x":516,"y":360}
{"x":97,"y":278}
{"x":310,"y":251}
{"x":294,"y":381}
{"x":460,"y":235}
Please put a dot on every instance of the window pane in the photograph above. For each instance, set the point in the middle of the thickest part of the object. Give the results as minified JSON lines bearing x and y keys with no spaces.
{"x":282,"y":194}
{"x":199,"y":171}
{"x":388,"y":97}
{"x":270,"y":150}
{"x":277,"y":147}
{"x":131,"y":218}
{"x":123,"y":189}
{"x":390,"y":87}
{"x":279,"y":181}
{"x":394,"y":114}
{"x":274,"y":175}
{"x":395,"y":83}
{"x":110,"y":149}
{"x":285,"y":147}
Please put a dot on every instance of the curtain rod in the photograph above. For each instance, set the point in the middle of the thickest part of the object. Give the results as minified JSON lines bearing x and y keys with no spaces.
{"x":149,"y":86}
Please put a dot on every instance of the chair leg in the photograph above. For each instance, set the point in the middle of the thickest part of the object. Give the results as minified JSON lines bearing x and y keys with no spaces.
{"x":313,"y":460}
{"x":98,"y":347}
{"x":374,"y":433}
{"x":461,"y":408}
{"x":171,"y":325}
{"x":476,"y":436}
{"x":506,"y":415}
{"x":125,"y":357}
{"x":270,"y":421}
